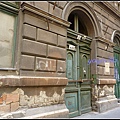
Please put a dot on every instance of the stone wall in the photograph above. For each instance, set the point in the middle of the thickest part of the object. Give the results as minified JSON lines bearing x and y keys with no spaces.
{"x":17,"y":99}
{"x":41,"y":52}
{"x":109,"y":21}
{"x":39,"y":77}
{"x":103,"y":97}
{"x":43,"y":46}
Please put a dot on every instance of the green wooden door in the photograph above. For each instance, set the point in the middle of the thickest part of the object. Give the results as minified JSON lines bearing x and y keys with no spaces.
{"x":85,"y":86}
{"x":117,"y":72}
{"x":72,"y":92}
{"x":78,"y":93}
{"x":117,"y":65}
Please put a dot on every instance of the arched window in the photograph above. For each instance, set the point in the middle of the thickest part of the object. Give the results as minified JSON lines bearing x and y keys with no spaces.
{"x":117,"y":40}
{"x":77,"y":23}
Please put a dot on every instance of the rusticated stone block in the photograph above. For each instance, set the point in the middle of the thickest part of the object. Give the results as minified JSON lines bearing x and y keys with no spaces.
{"x":106,"y":105}
{"x":41,"y":74}
{"x":14,"y":106}
{"x":5,"y":108}
{"x":27,"y":62}
{"x":29,"y":31}
{"x":56,"y":11}
{"x":1,"y":100}
{"x":56,"y":52}
{"x":42,"y":5}
{"x":104,"y":53}
{"x":62,"y":42}
{"x":45,"y":64}
{"x":58,"y":29}
{"x":38,"y":22}
{"x":13,"y":97}
{"x":34,"y":48}
{"x":46,"y":37}
{"x":102,"y":45}
{"x":61,"y":66}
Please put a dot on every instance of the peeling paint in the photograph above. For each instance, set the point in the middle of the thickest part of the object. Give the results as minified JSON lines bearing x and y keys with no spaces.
{"x":41,"y":100}
{"x":1,"y":83}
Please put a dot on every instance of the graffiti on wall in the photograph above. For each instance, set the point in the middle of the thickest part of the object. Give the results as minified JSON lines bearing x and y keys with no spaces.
{"x":98,"y":61}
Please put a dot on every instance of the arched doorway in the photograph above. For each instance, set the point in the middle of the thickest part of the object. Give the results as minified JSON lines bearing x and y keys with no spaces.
{"x":116,"y":40}
{"x":84,"y":27}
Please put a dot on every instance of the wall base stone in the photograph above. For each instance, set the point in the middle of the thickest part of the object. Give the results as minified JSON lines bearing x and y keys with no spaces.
{"x":52,"y":111}
{"x":105,"y":105}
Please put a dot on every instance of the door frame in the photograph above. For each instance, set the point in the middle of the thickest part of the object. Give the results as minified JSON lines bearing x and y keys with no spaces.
{"x":75,"y":87}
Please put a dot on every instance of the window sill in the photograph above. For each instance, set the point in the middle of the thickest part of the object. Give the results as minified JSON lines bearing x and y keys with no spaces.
{"x":8,"y":69}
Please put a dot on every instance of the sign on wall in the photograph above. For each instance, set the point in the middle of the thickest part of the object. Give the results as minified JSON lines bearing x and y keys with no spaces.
{"x":71,"y":47}
{"x":107,"y":67}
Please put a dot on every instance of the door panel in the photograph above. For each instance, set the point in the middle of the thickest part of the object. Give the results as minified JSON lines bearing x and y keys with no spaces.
{"x":85,"y":87}
{"x":72,"y":103}
{"x":70,"y":65}
{"x":78,"y":94}
{"x":72,"y":92}
{"x":117,"y":73}
{"x":85,"y":101}
{"x":84,"y":70}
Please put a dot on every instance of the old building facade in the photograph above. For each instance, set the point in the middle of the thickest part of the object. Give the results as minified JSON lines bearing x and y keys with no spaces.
{"x":59,"y":59}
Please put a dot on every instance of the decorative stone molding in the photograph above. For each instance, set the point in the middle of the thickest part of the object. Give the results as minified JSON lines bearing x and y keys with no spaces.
{"x":88,"y":12}
{"x":111,"y":8}
{"x":28,"y":7}
{"x":104,"y":40}
{"x":18,"y":99}
{"x":107,"y":81}
{"x":32,"y":81}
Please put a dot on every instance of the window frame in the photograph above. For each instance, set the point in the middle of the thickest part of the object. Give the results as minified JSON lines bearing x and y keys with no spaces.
{"x":12,"y":10}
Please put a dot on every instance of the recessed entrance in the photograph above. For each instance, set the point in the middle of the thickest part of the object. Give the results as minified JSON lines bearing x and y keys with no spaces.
{"x":78,"y":90}
{"x":116,"y":40}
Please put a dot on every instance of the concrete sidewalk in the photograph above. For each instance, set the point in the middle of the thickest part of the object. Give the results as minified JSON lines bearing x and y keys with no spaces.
{"x":110,"y":114}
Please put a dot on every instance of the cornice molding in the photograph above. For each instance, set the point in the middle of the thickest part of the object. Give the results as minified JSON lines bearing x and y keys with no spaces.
{"x":13,"y":80}
{"x":28,"y":7}
{"x":12,"y":9}
{"x":104,"y":40}
{"x":108,"y":5}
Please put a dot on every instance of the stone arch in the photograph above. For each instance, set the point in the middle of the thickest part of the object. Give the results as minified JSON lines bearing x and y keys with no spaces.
{"x":115,"y":32}
{"x":88,"y":13}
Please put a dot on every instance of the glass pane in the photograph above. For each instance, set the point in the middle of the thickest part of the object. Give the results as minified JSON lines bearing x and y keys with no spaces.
{"x":69,"y":66}
{"x":85,"y":67}
{"x":71,"y":19}
{"x":6,"y":39}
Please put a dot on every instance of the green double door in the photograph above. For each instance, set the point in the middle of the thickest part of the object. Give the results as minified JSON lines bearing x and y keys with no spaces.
{"x":78,"y":89}
{"x":117,"y":71}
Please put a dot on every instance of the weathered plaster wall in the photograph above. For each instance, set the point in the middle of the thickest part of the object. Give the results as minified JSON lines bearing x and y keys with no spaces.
{"x":42,"y":53}
{"x":17,"y":99}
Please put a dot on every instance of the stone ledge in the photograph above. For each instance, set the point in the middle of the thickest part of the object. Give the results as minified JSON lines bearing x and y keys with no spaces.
{"x":53,"y":114}
{"x":107,"y":81}
{"x":32,"y":81}
{"x":28,"y":7}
